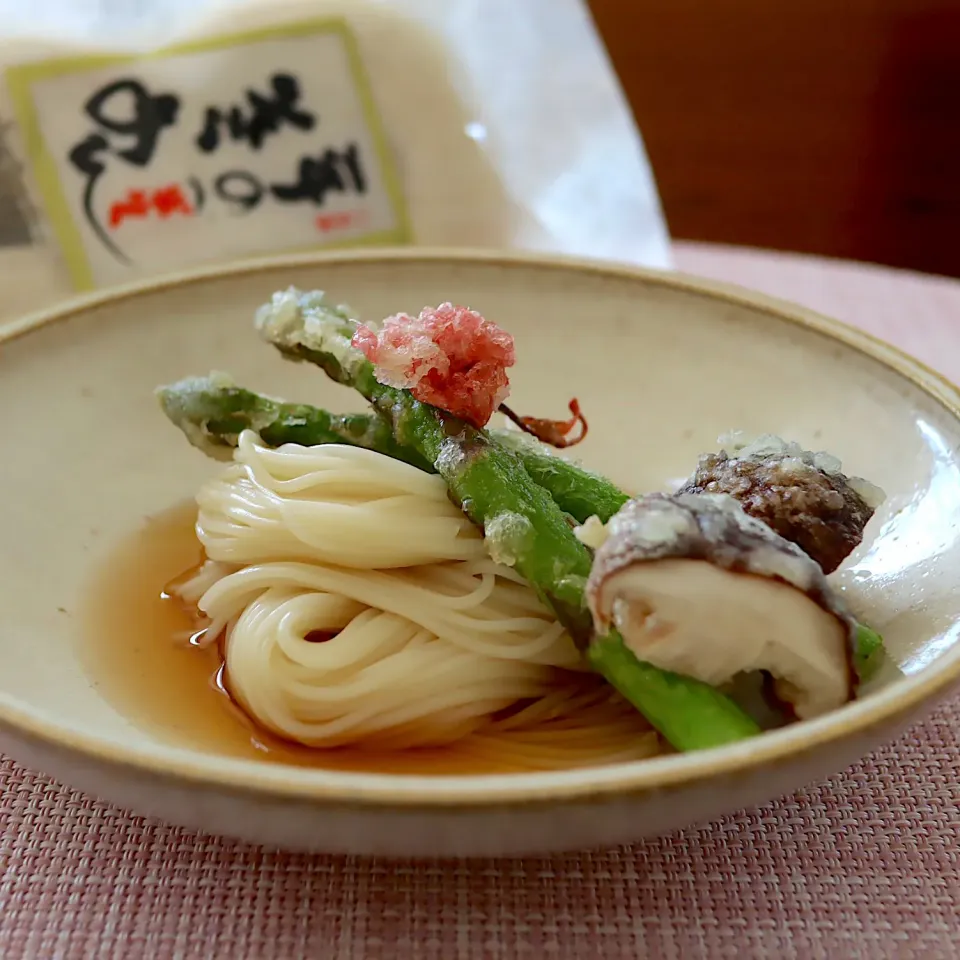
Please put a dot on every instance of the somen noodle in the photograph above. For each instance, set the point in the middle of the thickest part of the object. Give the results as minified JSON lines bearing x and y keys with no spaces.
{"x":357,"y":606}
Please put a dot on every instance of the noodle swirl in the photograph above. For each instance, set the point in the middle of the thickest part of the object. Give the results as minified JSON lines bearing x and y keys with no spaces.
{"x":424,"y":639}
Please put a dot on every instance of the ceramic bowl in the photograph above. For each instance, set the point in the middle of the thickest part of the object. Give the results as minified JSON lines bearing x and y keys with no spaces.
{"x":664,"y":364}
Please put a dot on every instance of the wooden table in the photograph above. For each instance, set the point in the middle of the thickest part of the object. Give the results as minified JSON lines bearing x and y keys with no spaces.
{"x":824,"y":126}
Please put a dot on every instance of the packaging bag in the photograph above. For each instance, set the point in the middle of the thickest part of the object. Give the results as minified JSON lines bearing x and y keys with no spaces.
{"x":139,"y":139}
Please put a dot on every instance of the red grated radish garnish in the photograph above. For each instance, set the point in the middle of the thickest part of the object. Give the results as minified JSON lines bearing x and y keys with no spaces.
{"x":449,"y":357}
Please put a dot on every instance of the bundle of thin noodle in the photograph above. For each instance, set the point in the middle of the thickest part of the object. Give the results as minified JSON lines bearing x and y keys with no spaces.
{"x":358,"y":606}
{"x":667,"y":586}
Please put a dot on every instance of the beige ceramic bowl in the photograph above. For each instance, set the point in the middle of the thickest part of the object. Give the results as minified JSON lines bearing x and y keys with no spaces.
{"x":663,"y":363}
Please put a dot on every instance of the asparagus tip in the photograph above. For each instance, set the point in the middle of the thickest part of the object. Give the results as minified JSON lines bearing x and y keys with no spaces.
{"x":295,"y":322}
{"x":185,"y":405}
{"x":179,"y":400}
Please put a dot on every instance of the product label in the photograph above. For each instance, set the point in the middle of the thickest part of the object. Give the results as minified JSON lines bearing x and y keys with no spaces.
{"x":225,"y":148}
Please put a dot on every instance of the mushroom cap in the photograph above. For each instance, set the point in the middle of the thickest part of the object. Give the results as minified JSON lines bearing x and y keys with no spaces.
{"x":800,"y":494}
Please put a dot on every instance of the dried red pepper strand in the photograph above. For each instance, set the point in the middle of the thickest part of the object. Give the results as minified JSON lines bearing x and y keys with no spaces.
{"x":552,"y":432}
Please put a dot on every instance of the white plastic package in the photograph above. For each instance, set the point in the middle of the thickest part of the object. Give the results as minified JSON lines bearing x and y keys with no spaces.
{"x":142,"y":139}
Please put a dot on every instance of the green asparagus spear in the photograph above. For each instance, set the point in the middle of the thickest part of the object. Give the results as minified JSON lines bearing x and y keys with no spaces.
{"x":576,"y":491}
{"x":693,"y":719}
{"x":212,"y":411}
{"x":522,"y":523}
{"x":868,"y":652}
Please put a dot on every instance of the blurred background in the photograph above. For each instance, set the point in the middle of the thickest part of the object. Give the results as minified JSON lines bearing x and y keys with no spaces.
{"x":827,"y":126}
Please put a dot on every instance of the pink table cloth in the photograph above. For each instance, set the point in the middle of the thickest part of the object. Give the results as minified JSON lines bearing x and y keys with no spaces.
{"x":865,"y":865}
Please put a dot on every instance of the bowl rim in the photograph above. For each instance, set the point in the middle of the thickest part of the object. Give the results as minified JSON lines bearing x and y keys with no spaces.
{"x":904,"y":696}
